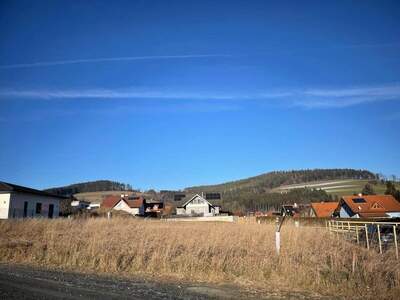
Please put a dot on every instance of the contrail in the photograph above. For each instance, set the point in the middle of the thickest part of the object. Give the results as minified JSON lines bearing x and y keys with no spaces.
{"x":107,"y":59}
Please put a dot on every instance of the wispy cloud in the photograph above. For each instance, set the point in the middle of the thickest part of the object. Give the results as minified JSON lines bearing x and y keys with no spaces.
{"x":307,"y":98}
{"x":107,"y":59}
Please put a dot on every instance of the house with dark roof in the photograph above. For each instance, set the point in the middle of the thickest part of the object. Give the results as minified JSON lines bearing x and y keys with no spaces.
{"x":323,"y":209}
{"x":22,"y":202}
{"x":368,"y":206}
{"x":198,"y":206}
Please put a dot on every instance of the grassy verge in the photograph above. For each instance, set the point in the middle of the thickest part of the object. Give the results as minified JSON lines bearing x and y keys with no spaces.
{"x":310,"y":259}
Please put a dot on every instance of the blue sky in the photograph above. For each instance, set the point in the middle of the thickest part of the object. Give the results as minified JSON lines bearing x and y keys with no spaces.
{"x":169,"y":94}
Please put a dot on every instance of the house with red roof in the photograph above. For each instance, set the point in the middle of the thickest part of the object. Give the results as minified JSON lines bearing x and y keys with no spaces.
{"x":323,"y":209}
{"x":368,"y":206}
{"x":110,"y":201}
{"x":135,"y":206}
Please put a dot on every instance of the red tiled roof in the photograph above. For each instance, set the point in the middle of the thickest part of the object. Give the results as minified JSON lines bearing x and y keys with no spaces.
{"x":110,"y":201}
{"x":324,"y":209}
{"x":372,"y":204}
{"x":135,"y":203}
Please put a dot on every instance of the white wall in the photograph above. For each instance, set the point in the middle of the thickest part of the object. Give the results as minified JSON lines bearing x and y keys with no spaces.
{"x":394,"y":214}
{"x":4,"y":205}
{"x":121,"y":205}
{"x":201,"y":208}
{"x":17,"y":205}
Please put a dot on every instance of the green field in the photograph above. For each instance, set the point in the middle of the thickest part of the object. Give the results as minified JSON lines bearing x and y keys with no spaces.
{"x":339,"y":187}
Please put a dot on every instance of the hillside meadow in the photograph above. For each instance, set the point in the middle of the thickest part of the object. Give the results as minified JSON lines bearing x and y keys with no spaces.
{"x":311,"y":259}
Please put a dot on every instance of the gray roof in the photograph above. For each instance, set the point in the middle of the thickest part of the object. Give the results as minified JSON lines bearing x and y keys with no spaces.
{"x":9,"y":187}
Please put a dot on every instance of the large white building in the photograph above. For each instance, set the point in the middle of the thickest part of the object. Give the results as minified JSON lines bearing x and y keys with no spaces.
{"x":22,"y":202}
{"x":198,"y":206}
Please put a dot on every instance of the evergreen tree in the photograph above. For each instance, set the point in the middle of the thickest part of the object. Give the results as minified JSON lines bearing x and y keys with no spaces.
{"x":368,"y":190}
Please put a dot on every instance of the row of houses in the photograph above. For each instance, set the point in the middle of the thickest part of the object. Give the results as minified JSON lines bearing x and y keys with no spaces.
{"x":20,"y":202}
{"x":358,"y":206}
{"x":196,"y":205}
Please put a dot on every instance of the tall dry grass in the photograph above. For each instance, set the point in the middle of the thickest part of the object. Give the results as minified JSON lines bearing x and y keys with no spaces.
{"x":311,"y":259}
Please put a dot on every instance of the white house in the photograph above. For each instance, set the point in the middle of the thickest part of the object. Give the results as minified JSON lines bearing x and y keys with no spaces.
{"x":133,"y":207}
{"x":23,"y":202}
{"x":197,"y":206}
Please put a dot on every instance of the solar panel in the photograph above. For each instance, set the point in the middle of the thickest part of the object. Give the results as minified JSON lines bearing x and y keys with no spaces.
{"x":213,"y":196}
{"x":359,"y":200}
{"x":179,"y":197}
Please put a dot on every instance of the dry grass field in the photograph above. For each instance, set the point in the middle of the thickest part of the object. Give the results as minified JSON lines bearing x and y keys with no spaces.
{"x":310,"y":260}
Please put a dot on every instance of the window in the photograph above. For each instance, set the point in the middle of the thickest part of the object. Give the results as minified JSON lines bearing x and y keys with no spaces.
{"x":38,"y":208}
{"x":359,"y":200}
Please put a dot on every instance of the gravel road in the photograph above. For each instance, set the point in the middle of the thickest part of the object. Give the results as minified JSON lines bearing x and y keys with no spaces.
{"x":21,"y":282}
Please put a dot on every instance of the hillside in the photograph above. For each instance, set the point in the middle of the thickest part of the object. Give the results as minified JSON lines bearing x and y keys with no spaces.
{"x":262,"y":192}
{"x":268,"y":181}
{"x":90,"y":186}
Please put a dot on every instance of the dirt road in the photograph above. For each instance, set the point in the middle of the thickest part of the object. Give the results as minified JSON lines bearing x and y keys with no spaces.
{"x":20,"y":282}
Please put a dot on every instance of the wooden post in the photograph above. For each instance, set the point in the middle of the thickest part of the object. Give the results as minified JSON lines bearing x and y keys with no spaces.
{"x":395,"y":241}
{"x":379,"y":238}
{"x":358,"y":239}
{"x":277,"y":235}
{"x":348,"y":226}
{"x":366,"y":235}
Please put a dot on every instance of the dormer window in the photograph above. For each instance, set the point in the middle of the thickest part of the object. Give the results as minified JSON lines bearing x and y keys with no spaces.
{"x":376,"y":205}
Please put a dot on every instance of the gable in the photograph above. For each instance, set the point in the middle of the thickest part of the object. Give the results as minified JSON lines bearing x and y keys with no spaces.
{"x":121,"y":204}
{"x":376,"y":205}
{"x":197,"y":200}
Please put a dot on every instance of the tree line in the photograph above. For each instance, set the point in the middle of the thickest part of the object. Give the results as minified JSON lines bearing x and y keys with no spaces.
{"x":91,"y":186}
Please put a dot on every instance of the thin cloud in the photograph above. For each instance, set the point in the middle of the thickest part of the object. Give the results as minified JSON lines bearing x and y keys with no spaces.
{"x":107,"y":59}
{"x":306,"y":98}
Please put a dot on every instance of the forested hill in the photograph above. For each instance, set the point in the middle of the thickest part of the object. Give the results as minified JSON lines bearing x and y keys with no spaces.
{"x":91,"y":186}
{"x":265,"y":182}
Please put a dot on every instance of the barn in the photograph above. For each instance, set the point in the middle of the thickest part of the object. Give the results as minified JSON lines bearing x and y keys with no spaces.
{"x":22,"y":202}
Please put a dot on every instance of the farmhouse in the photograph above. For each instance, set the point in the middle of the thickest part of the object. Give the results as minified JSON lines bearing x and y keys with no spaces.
{"x":22,"y":202}
{"x":323,"y":209}
{"x":368,"y":206}
{"x":197,"y":206}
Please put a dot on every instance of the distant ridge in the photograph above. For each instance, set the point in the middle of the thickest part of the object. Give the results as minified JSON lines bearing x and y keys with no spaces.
{"x":90,"y":186}
{"x":268,"y":181}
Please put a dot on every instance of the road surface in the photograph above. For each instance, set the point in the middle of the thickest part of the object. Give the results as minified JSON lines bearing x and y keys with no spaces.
{"x":21,"y":282}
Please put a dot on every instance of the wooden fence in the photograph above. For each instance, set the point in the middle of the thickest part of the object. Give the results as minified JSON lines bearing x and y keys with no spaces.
{"x":370,"y":233}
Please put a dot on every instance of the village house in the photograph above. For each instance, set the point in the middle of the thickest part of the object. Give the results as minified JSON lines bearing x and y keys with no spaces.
{"x":110,"y":201}
{"x":198,"y":206}
{"x":154,"y":209}
{"x":80,"y":204}
{"x":323,"y":209}
{"x":23,"y":202}
{"x":368,"y":206}
{"x":132,"y":205}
